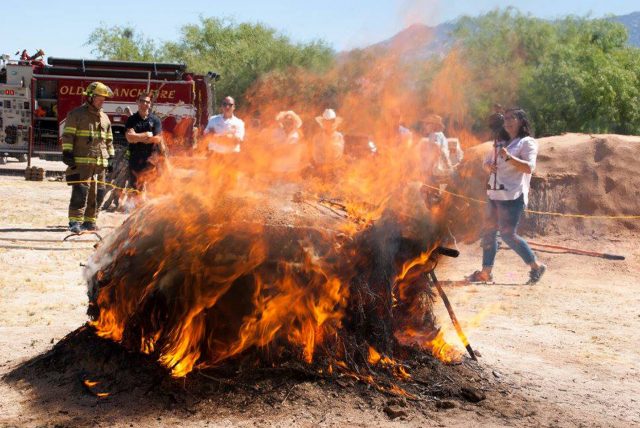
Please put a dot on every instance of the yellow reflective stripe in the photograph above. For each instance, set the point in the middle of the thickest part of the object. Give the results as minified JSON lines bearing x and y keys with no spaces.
{"x":85,"y":160}
{"x":67,"y":147}
{"x":90,"y":219}
{"x":91,"y":161}
{"x":111,"y":152}
{"x":94,"y":134}
{"x":76,"y":218}
{"x":69,"y":131}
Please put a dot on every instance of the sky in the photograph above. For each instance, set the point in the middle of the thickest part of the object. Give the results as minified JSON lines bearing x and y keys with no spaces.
{"x":62,"y":28}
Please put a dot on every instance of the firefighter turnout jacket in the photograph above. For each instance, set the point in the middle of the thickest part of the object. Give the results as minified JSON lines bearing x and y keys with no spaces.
{"x":87,"y":133}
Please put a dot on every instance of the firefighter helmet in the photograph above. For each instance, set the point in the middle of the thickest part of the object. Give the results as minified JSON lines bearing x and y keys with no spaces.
{"x":98,"y":88}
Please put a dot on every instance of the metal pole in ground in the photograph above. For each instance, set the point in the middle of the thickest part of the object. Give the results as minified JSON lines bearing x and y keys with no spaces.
{"x":431,"y":276}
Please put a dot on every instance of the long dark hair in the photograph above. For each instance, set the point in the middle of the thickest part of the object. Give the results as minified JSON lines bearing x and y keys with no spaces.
{"x":525,"y":126}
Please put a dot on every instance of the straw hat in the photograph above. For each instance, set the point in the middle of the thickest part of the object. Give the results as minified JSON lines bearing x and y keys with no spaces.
{"x":289,"y":114}
{"x":329,"y":114}
{"x":434,"y":119}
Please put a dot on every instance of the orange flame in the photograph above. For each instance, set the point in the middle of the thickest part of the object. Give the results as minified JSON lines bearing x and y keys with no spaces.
{"x":90,"y":383}
{"x":374,"y":356}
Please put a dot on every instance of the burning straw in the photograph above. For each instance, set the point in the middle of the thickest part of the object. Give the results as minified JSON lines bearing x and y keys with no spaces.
{"x":231,"y":258}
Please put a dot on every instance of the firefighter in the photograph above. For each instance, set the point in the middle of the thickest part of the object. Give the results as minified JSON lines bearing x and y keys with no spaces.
{"x":87,"y":150}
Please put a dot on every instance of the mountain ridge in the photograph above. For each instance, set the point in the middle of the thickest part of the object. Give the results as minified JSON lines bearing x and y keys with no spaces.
{"x":420,"y":41}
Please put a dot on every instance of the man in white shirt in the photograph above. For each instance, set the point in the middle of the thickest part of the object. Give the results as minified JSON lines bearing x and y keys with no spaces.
{"x":226,"y":128}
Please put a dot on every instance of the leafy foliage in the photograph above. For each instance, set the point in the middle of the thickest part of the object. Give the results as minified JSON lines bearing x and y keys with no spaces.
{"x":122,"y":43}
{"x":574,"y":74}
{"x":240,"y":53}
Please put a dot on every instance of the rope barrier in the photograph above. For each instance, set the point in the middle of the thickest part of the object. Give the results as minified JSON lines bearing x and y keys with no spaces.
{"x":457,"y":195}
{"x":586,"y":216}
{"x":124,"y":189}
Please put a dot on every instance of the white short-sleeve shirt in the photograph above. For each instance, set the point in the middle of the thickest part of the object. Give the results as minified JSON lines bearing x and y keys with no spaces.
{"x":232,"y":127}
{"x":515,"y":183}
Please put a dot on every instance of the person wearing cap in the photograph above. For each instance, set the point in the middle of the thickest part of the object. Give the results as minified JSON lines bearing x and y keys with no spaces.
{"x":287,"y":148}
{"x":87,"y":150}
{"x":226,"y":128}
{"x":327,"y":148}
{"x":434,"y":150}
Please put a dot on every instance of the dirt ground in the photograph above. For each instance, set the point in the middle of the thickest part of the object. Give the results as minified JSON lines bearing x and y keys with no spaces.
{"x":561,"y":353}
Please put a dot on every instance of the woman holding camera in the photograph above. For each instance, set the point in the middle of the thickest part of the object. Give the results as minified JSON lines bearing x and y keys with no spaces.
{"x":510,"y":165}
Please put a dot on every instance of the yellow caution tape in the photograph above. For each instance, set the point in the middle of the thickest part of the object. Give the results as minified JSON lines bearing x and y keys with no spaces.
{"x":105,"y":183}
{"x":457,"y":195}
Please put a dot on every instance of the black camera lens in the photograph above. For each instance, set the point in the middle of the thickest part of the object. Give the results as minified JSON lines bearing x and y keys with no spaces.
{"x":496,"y":122}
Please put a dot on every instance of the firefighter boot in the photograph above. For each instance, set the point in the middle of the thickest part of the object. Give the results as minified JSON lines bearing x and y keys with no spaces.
{"x":74,"y":227}
{"x":89,"y":225}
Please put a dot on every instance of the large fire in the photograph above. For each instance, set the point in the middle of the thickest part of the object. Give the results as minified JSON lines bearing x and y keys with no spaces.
{"x":228,"y":256}
{"x":254,"y":253}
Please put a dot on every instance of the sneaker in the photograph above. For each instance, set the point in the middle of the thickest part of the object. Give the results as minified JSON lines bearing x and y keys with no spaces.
{"x":480,"y":276}
{"x":536,"y":274}
{"x":75,"y":227}
{"x":87,"y":225}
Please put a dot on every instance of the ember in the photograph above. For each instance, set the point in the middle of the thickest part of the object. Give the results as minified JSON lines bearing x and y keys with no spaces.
{"x":232,"y":261}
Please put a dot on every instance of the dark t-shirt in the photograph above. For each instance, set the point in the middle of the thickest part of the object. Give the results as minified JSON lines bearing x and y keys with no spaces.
{"x":139,"y":153}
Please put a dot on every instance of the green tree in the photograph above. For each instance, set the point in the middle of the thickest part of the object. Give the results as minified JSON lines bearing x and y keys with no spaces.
{"x":241,"y":53}
{"x":498,"y":49}
{"x":575,"y":74}
{"x":122,"y":43}
{"x":588,"y":82}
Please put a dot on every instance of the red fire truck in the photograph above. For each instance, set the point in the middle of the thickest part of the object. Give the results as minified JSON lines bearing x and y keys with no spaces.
{"x":35,"y":98}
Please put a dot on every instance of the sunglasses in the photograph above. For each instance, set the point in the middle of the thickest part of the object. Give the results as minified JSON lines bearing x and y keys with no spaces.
{"x":144,"y":101}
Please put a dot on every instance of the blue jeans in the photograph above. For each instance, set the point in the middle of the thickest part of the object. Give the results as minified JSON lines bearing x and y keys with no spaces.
{"x":504,"y":216}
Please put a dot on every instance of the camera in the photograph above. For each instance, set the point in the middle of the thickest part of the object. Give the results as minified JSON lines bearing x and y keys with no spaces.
{"x":496,"y":123}
{"x":498,"y":187}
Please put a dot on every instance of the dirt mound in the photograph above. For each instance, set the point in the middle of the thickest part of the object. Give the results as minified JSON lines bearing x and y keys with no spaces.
{"x":83,"y":371}
{"x":577,"y":174}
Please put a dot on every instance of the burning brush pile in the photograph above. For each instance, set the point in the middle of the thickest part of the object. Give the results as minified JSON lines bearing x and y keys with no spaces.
{"x":231,"y":265}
